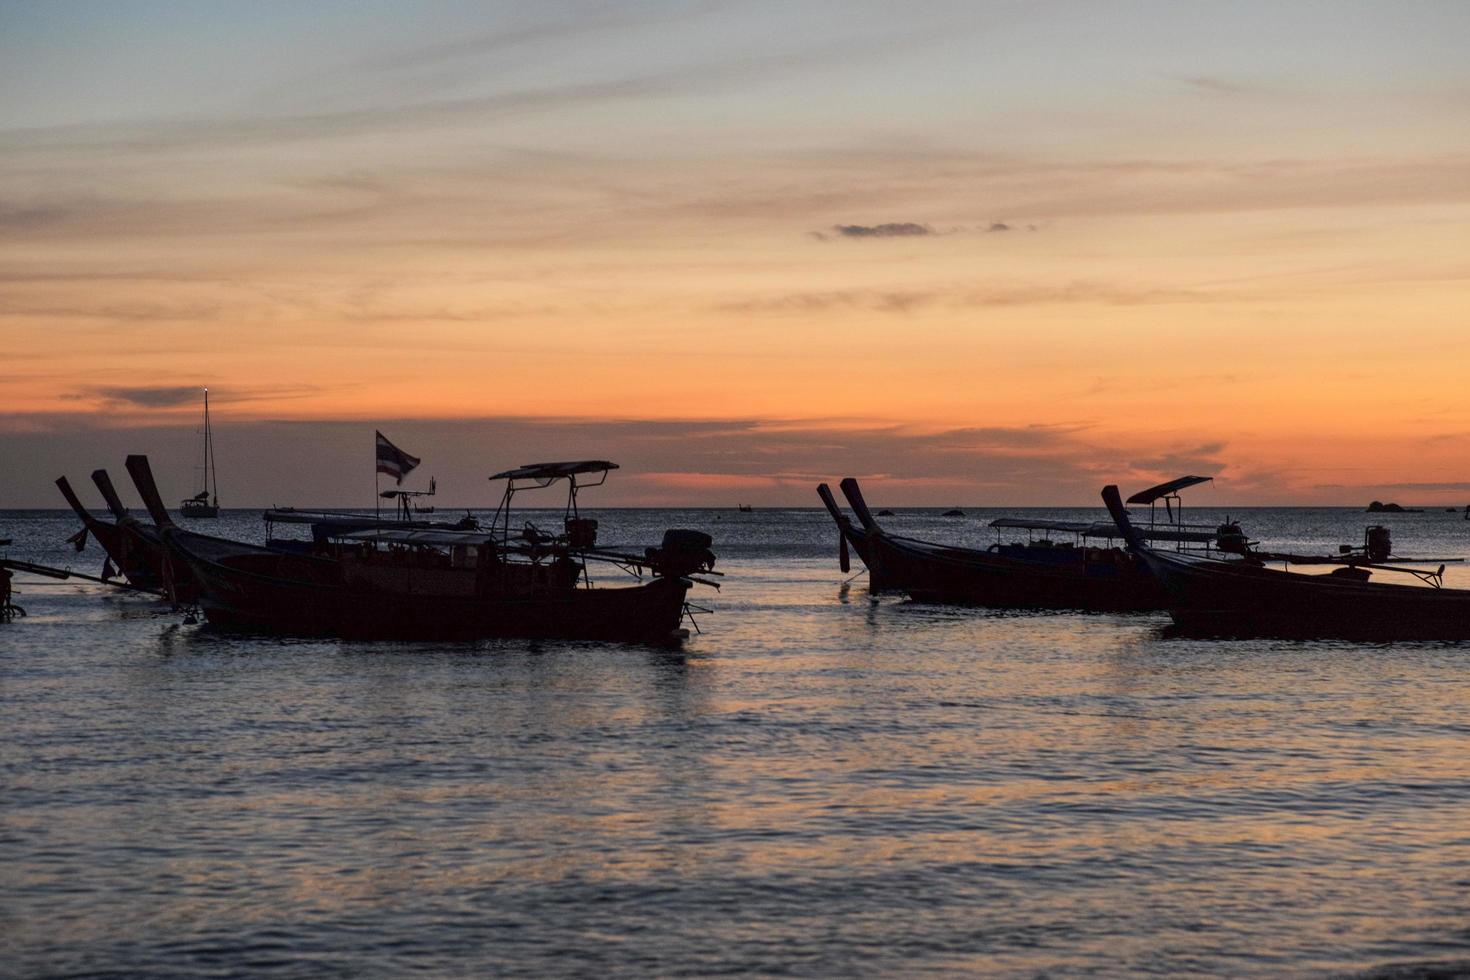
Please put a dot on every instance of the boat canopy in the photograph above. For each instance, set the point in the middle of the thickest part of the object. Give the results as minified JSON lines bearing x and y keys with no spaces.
{"x":555,"y":471}
{"x":1167,"y":489}
{"x":1071,"y":527}
{"x":539,"y":476}
{"x":1107,"y":529}
{"x":413,"y":536}
{"x":328,"y":520}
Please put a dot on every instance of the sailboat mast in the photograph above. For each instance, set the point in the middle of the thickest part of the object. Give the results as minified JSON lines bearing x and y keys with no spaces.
{"x":209,"y":467}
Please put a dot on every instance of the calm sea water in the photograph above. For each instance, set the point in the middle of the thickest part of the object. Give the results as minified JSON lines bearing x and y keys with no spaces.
{"x":818,"y":784}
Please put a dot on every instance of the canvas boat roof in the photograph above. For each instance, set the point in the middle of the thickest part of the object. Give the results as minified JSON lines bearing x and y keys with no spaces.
{"x":1166,"y":489}
{"x":327,"y":519}
{"x":552,"y":471}
{"x":1071,"y":527}
{"x":413,"y":536}
{"x":1107,"y":529}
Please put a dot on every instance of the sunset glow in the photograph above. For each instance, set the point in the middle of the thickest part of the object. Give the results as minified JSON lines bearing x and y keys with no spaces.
{"x":993,"y":253}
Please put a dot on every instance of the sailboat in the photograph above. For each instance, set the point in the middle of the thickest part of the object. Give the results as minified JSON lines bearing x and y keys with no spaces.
{"x":205,"y":503}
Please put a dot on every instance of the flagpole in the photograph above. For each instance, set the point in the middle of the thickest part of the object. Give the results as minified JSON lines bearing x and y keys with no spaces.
{"x":377,"y":479}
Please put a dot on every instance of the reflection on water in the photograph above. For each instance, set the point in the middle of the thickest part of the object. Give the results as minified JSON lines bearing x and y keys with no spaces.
{"x":821,"y":783}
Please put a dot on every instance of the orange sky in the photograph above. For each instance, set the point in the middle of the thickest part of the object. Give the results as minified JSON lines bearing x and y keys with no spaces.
{"x":1251,"y":259}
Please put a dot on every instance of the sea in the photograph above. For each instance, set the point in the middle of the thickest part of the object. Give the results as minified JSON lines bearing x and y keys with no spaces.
{"x":820,"y":782}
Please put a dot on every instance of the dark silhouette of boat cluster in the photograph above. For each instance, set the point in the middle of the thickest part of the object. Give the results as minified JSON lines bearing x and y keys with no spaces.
{"x":134,"y":549}
{"x":404,"y":576}
{"x":364,"y":576}
{"x":1213,"y":581}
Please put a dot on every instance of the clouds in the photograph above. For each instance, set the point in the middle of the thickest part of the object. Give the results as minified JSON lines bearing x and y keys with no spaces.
{"x":1213,"y":85}
{"x":664,"y":461}
{"x":961,"y":296}
{"x":138,"y":405}
{"x":156,"y":396}
{"x":1205,"y":458}
{"x":1441,"y":487}
{"x":20,"y":219}
{"x":584,"y":209}
{"x":907,"y":229}
{"x":893,"y":229}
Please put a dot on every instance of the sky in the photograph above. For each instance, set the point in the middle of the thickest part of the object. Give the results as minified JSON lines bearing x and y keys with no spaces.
{"x":981,"y":252}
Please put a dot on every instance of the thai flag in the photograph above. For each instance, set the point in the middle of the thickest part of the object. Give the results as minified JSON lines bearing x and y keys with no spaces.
{"x":394,"y":461}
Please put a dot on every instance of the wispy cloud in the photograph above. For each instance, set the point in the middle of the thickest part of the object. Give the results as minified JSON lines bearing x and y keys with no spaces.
{"x":23,"y":219}
{"x":908,"y":229}
{"x":426,"y":67}
{"x":155,"y":397}
{"x":1216,"y":85}
{"x":892,"y":229}
{"x":1205,"y":459}
{"x":963,"y":297}
{"x":383,"y":114}
{"x":1426,"y":487}
{"x":881,"y":301}
{"x":111,"y":310}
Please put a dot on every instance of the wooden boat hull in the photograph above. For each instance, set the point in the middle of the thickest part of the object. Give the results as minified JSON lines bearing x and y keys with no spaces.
{"x":1235,"y":599}
{"x":135,"y":550}
{"x":862,"y":544}
{"x":1087,"y":579}
{"x":247,"y":588}
{"x":147,"y":563}
{"x":1010,"y":576}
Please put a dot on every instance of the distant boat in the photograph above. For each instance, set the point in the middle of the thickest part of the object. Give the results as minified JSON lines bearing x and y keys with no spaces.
{"x":953,"y":513}
{"x":205,"y":503}
{"x":745,"y":508}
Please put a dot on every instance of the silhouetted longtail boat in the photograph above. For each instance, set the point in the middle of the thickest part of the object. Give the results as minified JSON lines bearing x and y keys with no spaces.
{"x":1036,"y":574}
{"x":418,"y":583}
{"x":1217,"y":595}
{"x":132,"y":548}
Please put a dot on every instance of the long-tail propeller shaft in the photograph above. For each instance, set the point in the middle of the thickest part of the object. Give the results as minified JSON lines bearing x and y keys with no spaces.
{"x":109,"y":494}
{"x":854,"y":495}
{"x":1119,"y":513}
{"x":843,"y":560}
{"x":142,"y":475}
{"x":64,"y":485}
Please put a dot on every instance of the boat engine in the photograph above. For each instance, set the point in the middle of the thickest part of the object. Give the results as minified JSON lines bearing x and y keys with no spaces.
{"x":581,"y":532}
{"x":1377,"y":544}
{"x":1230,"y":539}
{"x":682,"y":552}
